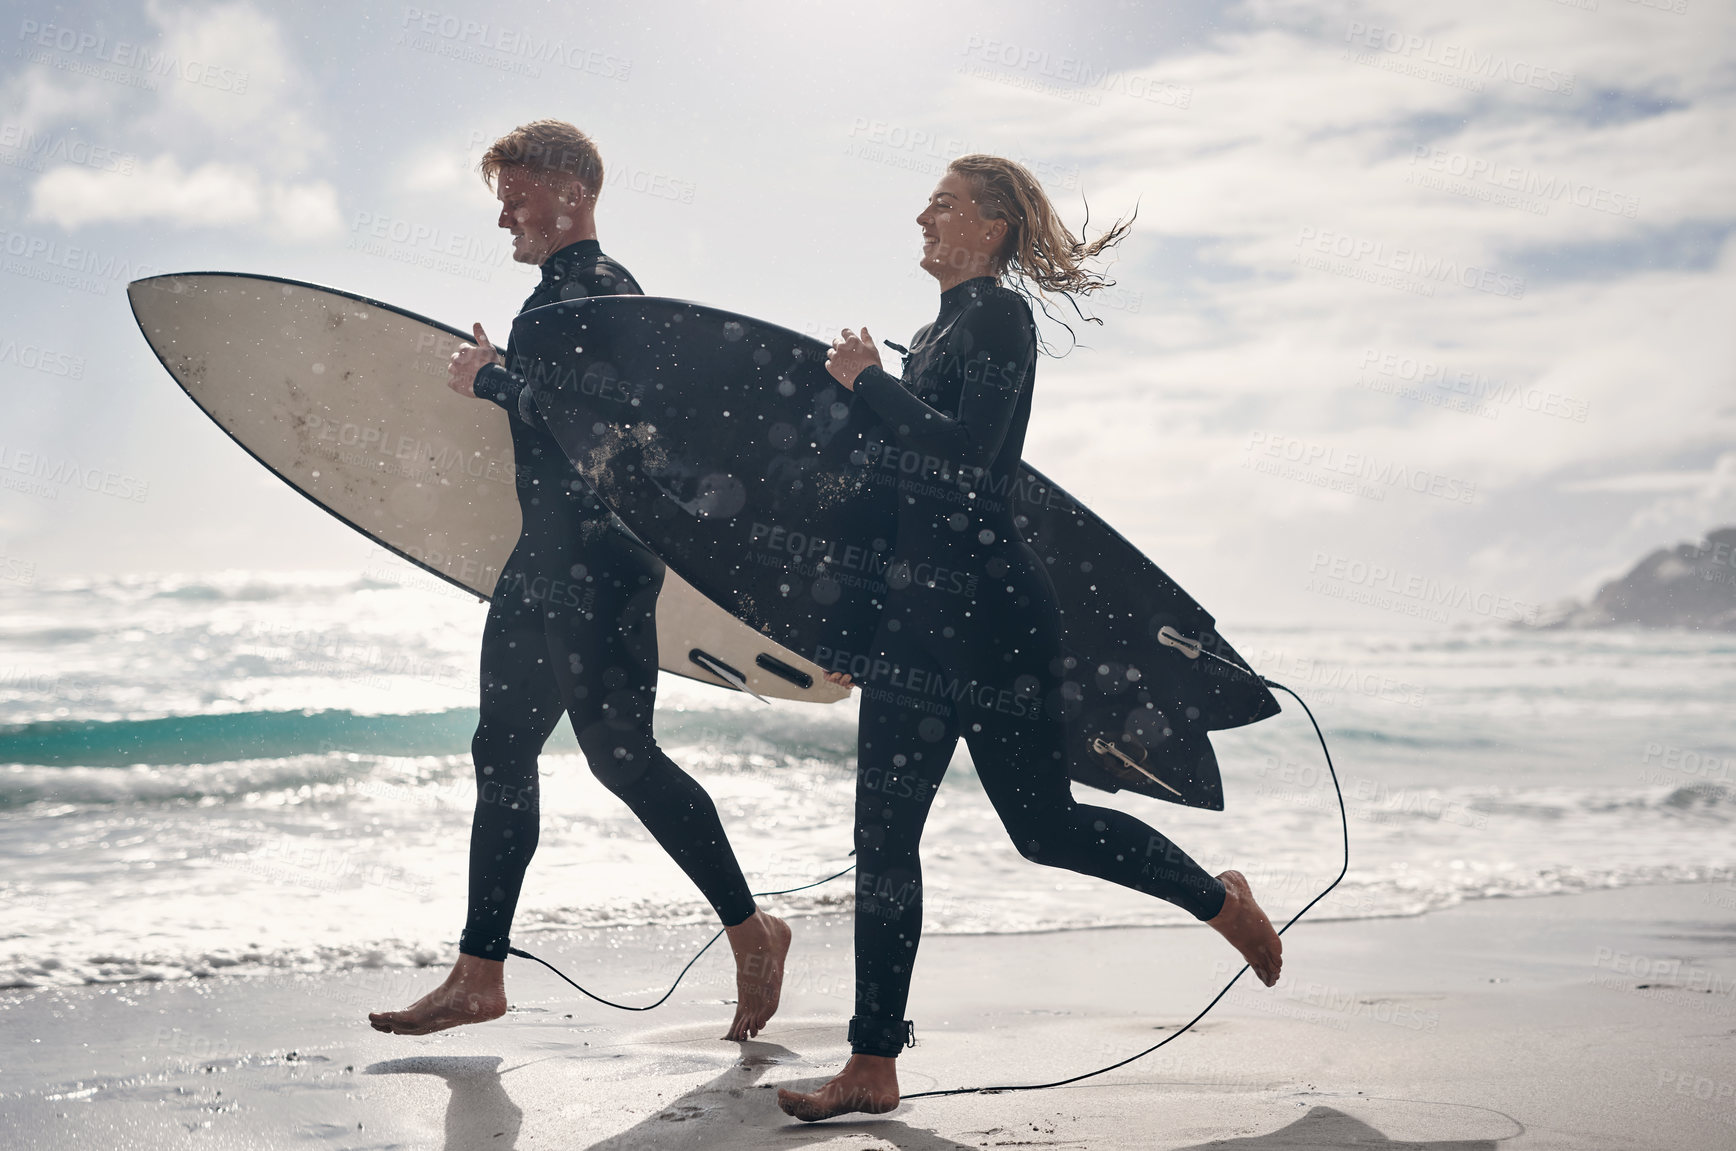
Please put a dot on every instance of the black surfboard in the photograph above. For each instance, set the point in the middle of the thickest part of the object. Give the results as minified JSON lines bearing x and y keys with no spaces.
{"x":724,"y":444}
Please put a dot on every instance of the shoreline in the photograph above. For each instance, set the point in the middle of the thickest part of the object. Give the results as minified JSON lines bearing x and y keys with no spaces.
{"x":1587,"y":1020}
{"x":1720,"y":885}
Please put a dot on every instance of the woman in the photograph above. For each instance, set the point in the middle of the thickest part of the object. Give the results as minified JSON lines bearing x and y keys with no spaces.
{"x":971,"y":630}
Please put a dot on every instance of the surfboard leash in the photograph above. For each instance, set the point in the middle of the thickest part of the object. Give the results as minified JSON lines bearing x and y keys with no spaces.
{"x":664,"y":998}
{"x":1344,"y":868}
{"x":1344,"y":824}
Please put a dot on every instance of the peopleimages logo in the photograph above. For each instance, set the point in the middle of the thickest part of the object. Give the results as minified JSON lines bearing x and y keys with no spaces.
{"x":1426,"y":50}
{"x":1358,"y":465}
{"x":485,"y":249}
{"x":1390,"y":372}
{"x":84,"y":52}
{"x":15,"y":570}
{"x":382,"y":448}
{"x":1522,"y":183}
{"x":505,"y":48}
{"x":40,"y":359}
{"x":38,"y":473}
{"x":69,"y":265}
{"x":1387,"y":586}
{"x":36,"y":150}
{"x":469,"y":257}
{"x":1077,"y":79}
{"x":918,"y":149}
{"x":1408,"y":262}
{"x":1679,"y":761}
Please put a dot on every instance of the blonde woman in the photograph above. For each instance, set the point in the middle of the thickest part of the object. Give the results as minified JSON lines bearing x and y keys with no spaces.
{"x":971,"y":631}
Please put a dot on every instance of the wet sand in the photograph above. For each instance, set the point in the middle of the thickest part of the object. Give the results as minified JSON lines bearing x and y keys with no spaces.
{"x":1600,"y":1020}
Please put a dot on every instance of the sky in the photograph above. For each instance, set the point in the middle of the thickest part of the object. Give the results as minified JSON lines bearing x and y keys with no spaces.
{"x":1424,"y":319}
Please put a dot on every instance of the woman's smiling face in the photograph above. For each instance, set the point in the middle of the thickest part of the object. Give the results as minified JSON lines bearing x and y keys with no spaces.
{"x":957,"y":242}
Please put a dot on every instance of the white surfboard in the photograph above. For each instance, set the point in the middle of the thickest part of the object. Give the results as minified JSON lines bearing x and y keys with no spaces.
{"x":345,"y":399}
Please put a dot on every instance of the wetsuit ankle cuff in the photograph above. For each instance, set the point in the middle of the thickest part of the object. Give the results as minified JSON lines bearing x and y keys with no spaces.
{"x":734,"y":916}
{"x":883,"y":1037}
{"x":1212,"y":902}
{"x":495,"y":949}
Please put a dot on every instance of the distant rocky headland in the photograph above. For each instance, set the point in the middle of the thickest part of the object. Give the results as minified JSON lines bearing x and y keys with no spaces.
{"x":1688,"y":586}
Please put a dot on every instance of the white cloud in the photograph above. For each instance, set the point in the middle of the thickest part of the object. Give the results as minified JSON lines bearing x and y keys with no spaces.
{"x":236,"y":76}
{"x":1620,"y":314}
{"x":214,"y":195}
{"x":437,"y":170}
{"x":225,"y":115}
{"x":40,"y":98}
{"x":1610,"y":364}
{"x":304,"y":211}
{"x":1709,"y":503}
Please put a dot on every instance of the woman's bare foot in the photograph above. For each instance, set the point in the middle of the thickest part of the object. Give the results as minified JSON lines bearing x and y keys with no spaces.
{"x":1249,"y":931}
{"x":760,"y":943}
{"x":868,"y":1083}
{"x":474,"y":992}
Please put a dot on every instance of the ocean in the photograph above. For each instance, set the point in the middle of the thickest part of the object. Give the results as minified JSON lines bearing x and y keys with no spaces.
{"x":251,"y":773}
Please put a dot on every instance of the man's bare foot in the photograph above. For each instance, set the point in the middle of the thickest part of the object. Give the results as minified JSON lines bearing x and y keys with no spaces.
{"x":760,"y":943}
{"x":1249,"y":931}
{"x":474,"y":992}
{"x":868,"y":1083}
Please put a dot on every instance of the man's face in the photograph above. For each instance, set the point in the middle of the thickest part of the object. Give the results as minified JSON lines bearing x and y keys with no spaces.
{"x":541,"y":211}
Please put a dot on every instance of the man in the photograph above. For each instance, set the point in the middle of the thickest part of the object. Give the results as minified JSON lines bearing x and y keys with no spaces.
{"x":572,"y":627}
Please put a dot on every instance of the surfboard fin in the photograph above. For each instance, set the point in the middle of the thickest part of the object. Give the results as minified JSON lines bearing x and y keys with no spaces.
{"x":1104,"y":747}
{"x":724,"y":672}
{"x":783,"y":670}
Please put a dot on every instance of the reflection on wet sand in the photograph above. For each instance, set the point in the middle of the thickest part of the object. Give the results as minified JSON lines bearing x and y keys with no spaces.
{"x":479,"y":1112}
{"x":735,"y":1110}
{"x":1327,"y":1127}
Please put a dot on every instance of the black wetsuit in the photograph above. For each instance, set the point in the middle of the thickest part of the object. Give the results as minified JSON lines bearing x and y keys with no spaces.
{"x":969,"y":643}
{"x":572,"y":627}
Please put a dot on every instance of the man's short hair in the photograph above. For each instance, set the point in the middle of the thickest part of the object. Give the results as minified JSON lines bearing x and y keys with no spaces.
{"x":546,"y":147}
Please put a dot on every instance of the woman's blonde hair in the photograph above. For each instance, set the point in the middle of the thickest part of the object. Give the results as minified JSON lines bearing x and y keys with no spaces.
{"x":1038,"y":246}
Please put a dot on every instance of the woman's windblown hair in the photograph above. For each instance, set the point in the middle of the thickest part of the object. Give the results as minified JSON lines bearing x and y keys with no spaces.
{"x":1039,"y":247}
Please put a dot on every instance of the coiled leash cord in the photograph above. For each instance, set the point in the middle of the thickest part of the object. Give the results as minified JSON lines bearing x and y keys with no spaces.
{"x":665,"y":996}
{"x":1344,"y":822}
